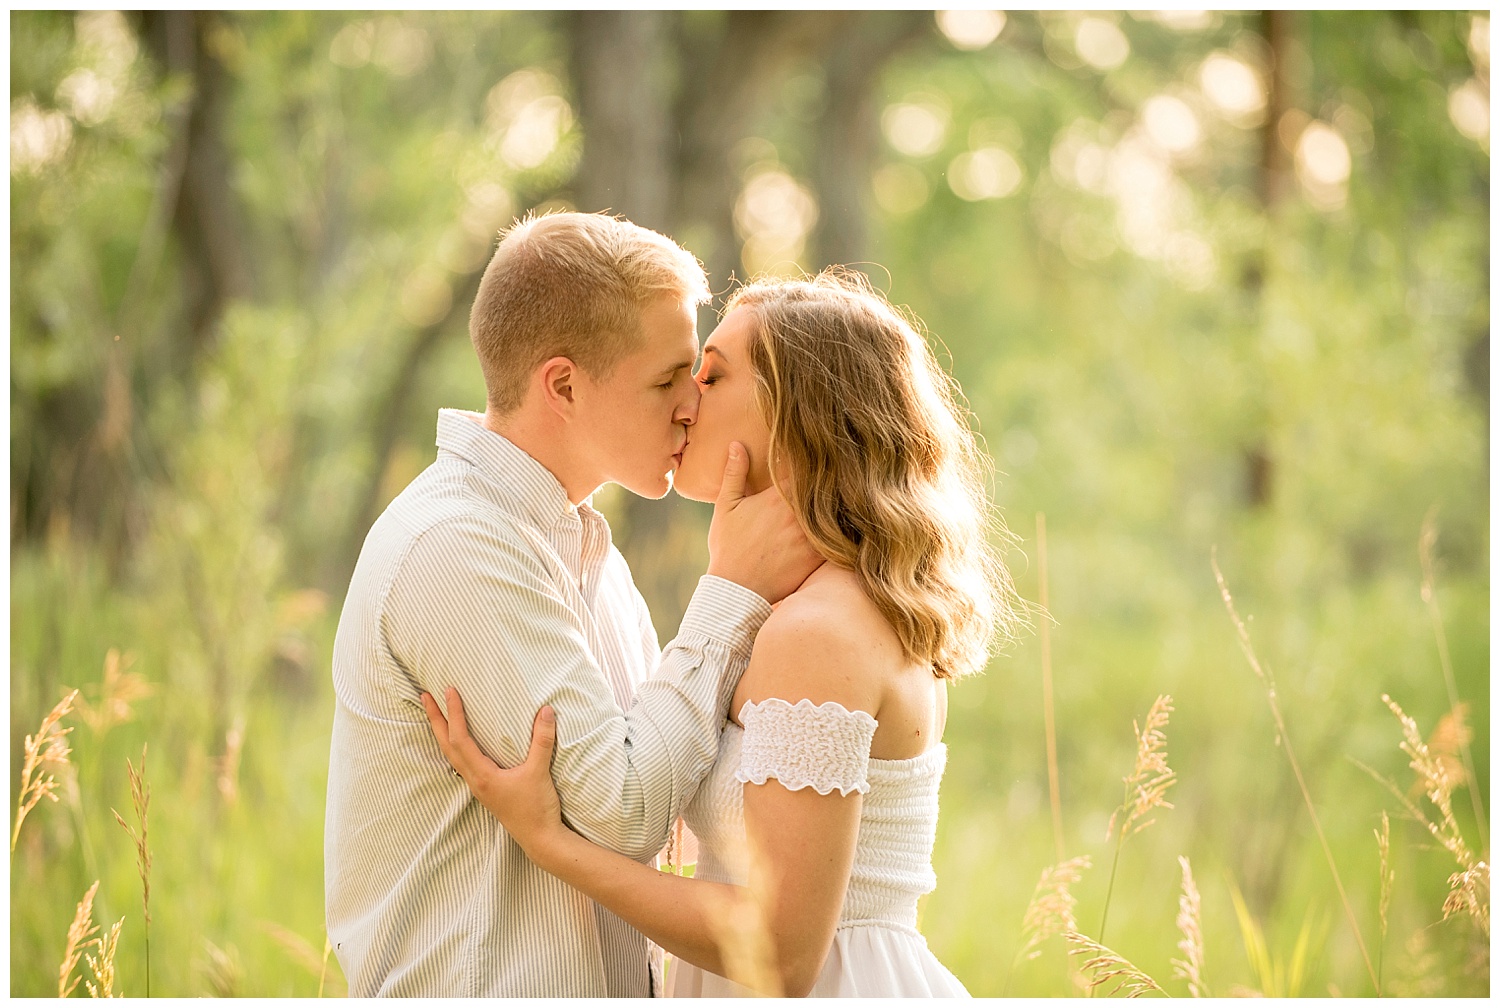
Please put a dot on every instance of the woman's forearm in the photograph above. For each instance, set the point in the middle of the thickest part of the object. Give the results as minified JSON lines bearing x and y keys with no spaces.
{"x":690,"y":918}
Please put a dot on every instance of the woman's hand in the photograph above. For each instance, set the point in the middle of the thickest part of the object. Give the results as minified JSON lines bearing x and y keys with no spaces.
{"x":524,"y":798}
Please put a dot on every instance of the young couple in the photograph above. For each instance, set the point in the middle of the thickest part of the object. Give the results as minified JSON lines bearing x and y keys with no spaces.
{"x":795,"y":721}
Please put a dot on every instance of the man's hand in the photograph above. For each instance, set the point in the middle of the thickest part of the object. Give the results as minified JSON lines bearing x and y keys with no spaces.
{"x":756,"y":541}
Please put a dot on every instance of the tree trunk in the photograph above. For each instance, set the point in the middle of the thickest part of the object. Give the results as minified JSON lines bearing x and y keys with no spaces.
{"x":207,"y":220}
{"x":848,"y":133}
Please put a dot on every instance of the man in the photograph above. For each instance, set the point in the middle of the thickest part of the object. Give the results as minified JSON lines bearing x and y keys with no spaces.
{"x":492,"y":574}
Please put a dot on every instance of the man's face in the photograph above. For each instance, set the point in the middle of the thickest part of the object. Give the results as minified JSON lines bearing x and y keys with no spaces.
{"x":635,"y":420}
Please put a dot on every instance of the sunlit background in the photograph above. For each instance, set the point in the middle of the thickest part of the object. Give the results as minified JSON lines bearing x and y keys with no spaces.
{"x":1215,"y":286}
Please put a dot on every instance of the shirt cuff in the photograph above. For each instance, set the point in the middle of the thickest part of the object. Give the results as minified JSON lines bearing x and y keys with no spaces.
{"x":725,"y":612}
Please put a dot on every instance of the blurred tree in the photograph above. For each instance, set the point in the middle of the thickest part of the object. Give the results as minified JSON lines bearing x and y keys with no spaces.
{"x":663,"y":100}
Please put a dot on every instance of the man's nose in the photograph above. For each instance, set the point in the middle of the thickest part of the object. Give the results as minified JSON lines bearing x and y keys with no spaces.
{"x":687,"y":410}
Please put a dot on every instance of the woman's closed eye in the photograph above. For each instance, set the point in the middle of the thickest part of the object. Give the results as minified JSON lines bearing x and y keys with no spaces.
{"x":707,"y":380}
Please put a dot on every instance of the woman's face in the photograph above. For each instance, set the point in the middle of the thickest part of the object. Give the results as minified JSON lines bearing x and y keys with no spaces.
{"x":727,"y":412}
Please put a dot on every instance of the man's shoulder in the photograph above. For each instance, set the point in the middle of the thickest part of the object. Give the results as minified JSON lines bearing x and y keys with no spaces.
{"x":444,"y":507}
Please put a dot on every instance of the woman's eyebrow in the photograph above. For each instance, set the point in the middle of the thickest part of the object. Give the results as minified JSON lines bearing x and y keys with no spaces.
{"x":714,"y":350}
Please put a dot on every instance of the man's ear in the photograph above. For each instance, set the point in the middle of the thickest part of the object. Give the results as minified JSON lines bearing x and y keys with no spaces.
{"x":558,"y":378}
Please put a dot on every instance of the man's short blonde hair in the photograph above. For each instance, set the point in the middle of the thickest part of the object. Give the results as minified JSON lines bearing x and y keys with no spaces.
{"x":572,"y":285}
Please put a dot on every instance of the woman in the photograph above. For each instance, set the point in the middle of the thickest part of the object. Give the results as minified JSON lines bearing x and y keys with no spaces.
{"x":816,"y":824}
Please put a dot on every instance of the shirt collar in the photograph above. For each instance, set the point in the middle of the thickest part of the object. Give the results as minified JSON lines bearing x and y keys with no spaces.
{"x":519,"y":479}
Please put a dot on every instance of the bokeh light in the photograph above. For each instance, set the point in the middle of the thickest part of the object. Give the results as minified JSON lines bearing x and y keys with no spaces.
{"x":488,"y":206}
{"x":1469,"y":108}
{"x":1184,"y":20}
{"x":773,"y":216}
{"x":1171,"y":124}
{"x":971,"y":29}
{"x":1323,"y":165}
{"x":987,"y":173}
{"x":916,"y":129}
{"x":88,"y":95}
{"x":37,"y":137}
{"x":1100,"y":43}
{"x":1232,"y":87}
{"x":528,"y":117}
{"x":390,"y":43}
{"x":1479,"y":42}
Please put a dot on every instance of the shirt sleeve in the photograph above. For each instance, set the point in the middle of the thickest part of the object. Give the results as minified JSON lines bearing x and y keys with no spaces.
{"x":471,"y":609}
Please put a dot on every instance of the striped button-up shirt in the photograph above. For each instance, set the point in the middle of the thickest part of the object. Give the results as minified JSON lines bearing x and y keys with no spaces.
{"x":481,"y":575}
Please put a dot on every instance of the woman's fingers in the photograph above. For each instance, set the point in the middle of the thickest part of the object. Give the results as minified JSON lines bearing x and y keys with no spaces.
{"x":463,"y":753}
{"x":543,"y":737}
{"x":458,"y":726}
{"x":437,"y":722}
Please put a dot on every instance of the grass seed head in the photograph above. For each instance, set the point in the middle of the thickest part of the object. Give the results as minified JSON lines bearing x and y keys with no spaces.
{"x":140,"y":802}
{"x":103,"y":966}
{"x":1190,"y":923}
{"x":119,"y":692}
{"x":1387,"y":873}
{"x":1437,"y":779}
{"x":1469,"y":892}
{"x":1106,"y":964}
{"x":1050,"y":911}
{"x":43,"y":752}
{"x":81,"y":936}
{"x":1146,"y":787}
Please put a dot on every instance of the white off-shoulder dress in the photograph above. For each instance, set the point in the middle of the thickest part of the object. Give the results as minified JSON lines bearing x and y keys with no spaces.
{"x":877,"y":950}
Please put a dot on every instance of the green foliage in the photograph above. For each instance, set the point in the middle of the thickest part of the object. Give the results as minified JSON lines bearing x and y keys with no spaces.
{"x":1296,"y":386}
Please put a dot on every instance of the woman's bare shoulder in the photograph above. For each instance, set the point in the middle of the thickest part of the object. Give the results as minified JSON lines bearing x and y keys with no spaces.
{"x":826,"y":641}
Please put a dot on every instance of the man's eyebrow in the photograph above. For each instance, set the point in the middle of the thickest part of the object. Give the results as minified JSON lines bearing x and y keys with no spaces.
{"x":674,"y":368}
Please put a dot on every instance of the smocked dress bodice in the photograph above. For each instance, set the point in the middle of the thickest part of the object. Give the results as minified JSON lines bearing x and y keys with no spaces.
{"x":877,"y":949}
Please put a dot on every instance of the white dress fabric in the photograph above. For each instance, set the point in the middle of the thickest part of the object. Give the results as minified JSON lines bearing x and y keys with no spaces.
{"x":877,"y":950}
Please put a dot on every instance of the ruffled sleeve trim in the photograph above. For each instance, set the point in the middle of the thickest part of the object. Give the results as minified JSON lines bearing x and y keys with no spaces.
{"x":825,"y":747}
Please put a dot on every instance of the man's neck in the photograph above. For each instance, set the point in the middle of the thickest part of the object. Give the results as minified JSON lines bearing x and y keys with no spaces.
{"x":548,"y":444}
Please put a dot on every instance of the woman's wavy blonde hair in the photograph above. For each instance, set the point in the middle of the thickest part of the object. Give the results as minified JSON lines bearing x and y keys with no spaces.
{"x":871,"y":447}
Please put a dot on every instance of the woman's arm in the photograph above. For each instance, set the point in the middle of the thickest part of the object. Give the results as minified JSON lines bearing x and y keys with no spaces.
{"x":801,"y":843}
{"x":685,"y":916}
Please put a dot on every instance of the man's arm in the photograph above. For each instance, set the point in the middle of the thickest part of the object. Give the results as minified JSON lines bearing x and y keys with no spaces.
{"x":473,"y":609}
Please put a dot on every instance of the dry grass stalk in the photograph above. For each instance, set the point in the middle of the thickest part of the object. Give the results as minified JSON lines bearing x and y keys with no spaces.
{"x":227,"y":766}
{"x":1387,"y":880}
{"x":323,"y":972}
{"x":1425,"y":543}
{"x":49,"y":746}
{"x":746,"y":947}
{"x":1268,"y":681}
{"x":223,"y":971}
{"x":140,"y":801}
{"x":1050,"y":911}
{"x":1469,"y":892}
{"x":1469,"y":888}
{"x":1049,"y":718}
{"x":103,"y":967}
{"x":1435,"y":777}
{"x":1146,"y":787}
{"x":81,"y":935}
{"x":1190,"y":923}
{"x":118,"y":694}
{"x":301,"y":951}
{"x":1105,"y":964}
{"x":1449,"y":738}
{"x":741,"y":930}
